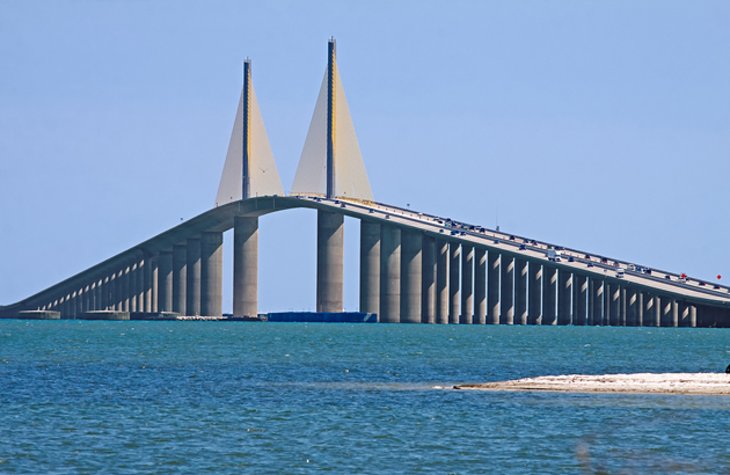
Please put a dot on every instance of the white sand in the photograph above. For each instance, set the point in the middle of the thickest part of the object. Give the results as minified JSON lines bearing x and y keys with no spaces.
{"x":659,"y":383}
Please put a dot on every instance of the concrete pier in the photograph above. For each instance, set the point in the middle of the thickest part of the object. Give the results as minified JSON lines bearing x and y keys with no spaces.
{"x":614,"y":307}
{"x":467,"y":284}
{"x":580,"y":299}
{"x":245,"y":266}
{"x":192,"y":292}
{"x":179,"y":279}
{"x":454,"y":282}
{"x":632,"y":307}
{"x":211,"y":274}
{"x":652,"y":311}
{"x":330,"y":261}
{"x":493,"y":306}
{"x":390,"y":256}
{"x":480,"y":286}
{"x":595,"y":302}
{"x":549,"y":295}
{"x":442,"y":282}
{"x":369,"y":266}
{"x":411,"y":276}
{"x":666,"y":304}
{"x":428,"y":292}
{"x":521,"y":276}
{"x":565,"y":297}
{"x":164,"y":286}
{"x":506,"y":298}
{"x":534,"y":310}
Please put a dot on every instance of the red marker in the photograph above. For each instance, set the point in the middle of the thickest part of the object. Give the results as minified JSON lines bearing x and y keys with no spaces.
{"x":719,"y":277}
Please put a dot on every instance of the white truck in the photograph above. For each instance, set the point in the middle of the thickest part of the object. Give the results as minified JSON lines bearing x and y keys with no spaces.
{"x":554,"y":255}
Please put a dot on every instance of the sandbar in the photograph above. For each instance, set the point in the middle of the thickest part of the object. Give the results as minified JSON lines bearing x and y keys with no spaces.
{"x":639,"y":383}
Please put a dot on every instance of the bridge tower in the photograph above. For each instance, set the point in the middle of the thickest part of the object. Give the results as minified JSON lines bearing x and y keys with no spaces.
{"x":249,"y":171}
{"x":331,"y":166}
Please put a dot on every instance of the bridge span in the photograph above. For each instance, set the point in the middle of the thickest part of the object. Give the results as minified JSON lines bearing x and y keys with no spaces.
{"x":414,"y":267}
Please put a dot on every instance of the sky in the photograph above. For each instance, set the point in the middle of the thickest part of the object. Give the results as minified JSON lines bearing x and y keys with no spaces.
{"x":602,"y":126}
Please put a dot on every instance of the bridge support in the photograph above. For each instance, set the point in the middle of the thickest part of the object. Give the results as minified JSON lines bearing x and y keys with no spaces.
{"x":411,"y":276}
{"x":442,"y":282}
{"x":534,"y":312}
{"x":454,"y":283}
{"x":613,"y":304}
{"x":428,"y":303}
{"x":390,"y":249}
{"x":493,"y":305}
{"x":521,"y":275}
{"x":480,"y":286}
{"x":245,"y":266}
{"x":652,"y":311}
{"x":211,"y":274}
{"x":369,"y":266}
{"x":506,"y":297}
{"x":179,"y":278}
{"x":467,"y":284}
{"x":595,"y":302}
{"x":192,"y":293}
{"x":632,"y":307}
{"x":549,"y":294}
{"x":330,"y":261}
{"x":580,"y":299}
{"x":164,"y":286}
{"x":565,"y":296}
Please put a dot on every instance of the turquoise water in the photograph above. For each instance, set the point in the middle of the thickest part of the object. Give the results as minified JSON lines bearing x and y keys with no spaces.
{"x":203,"y":397}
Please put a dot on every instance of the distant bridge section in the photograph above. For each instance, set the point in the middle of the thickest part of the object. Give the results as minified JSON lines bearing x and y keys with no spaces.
{"x":414,"y":268}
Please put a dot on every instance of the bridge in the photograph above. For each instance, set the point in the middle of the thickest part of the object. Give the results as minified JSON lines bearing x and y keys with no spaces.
{"x":414,"y":267}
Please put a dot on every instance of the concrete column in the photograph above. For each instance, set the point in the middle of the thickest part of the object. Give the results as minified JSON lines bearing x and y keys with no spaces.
{"x":666,"y":304}
{"x":125,"y":288}
{"x":330,"y":261}
{"x":652,"y":311}
{"x":246,"y":266}
{"x":180,"y":278}
{"x":640,"y":309}
{"x":632,"y":307}
{"x":147,"y":292}
{"x":614,"y":295}
{"x":521,"y":275}
{"x":104,"y":292}
{"x":692,"y":315}
{"x":390,"y":249}
{"x":580,"y":299}
{"x":595,"y":301}
{"x":369,"y":266}
{"x":192,"y":290}
{"x":534,"y":310}
{"x":133,"y":287}
{"x":683,"y":314}
{"x":141,"y":289}
{"x":454,"y":283}
{"x":565,"y":297}
{"x":164,"y":281}
{"x":411,"y":276}
{"x":549,"y":294}
{"x":211,"y":274}
{"x":442,"y":282}
{"x":675,"y":313}
{"x":428,"y":304}
{"x":493,"y":305}
{"x":480,"y":286}
{"x":154,"y":281}
{"x":506,"y":298}
{"x":467,"y":284}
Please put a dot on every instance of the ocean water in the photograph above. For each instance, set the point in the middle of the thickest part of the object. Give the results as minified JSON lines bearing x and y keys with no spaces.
{"x":211,"y":397}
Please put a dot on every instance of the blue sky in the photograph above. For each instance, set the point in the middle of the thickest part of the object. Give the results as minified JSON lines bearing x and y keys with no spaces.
{"x":603,"y":126}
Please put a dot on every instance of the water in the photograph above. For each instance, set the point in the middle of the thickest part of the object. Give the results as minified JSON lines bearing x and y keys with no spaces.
{"x":203,"y":397}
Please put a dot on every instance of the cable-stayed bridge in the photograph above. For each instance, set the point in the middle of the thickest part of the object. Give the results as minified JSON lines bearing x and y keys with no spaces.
{"x":414,"y":267}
